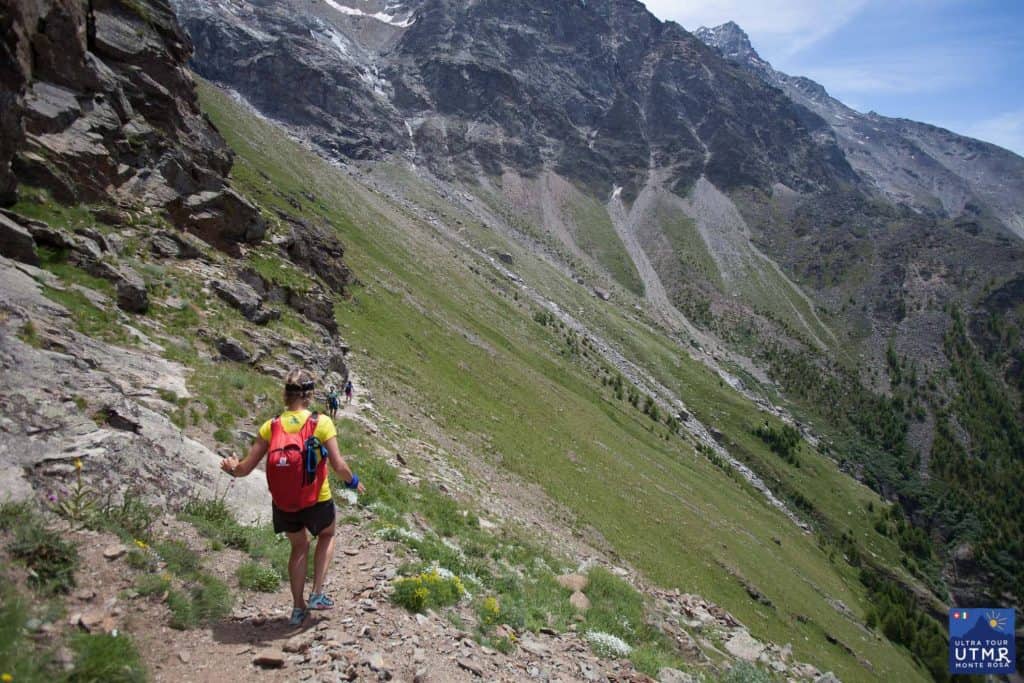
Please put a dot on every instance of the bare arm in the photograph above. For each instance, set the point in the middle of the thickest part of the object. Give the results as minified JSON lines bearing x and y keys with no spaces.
{"x":240,"y":469}
{"x":338,"y":463}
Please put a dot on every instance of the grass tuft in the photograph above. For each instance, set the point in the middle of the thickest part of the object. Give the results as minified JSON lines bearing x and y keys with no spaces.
{"x":258,"y":577}
{"x":50,"y":559}
{"x":204,"y":602}
{"x":105,"y":657}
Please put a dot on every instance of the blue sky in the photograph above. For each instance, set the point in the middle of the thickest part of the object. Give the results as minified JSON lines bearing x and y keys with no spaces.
{"x":954,"y":63}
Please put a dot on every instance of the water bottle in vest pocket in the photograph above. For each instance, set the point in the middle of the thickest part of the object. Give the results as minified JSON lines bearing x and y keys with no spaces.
{"x":295,"y":481}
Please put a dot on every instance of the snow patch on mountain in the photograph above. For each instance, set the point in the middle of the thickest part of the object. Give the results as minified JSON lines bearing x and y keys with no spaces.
{"x":384,"y":17}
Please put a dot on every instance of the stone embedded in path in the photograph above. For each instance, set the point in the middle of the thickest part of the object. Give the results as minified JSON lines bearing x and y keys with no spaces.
{"x":269,"y":659}
{"x":96,"y":621}
{"x":579,"y":601}
{"x":299,"y":643}
{"x":574,"y":582}
{"x":471,"y":666}
{"x":375,"y":661}
{"x":115,"y":551}
{"x":534,"y":647}
{"x":667,"y":675}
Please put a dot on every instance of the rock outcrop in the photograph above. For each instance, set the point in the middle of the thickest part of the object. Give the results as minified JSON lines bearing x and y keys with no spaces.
{"x":133,"y":450}
{"x":98,"y":106}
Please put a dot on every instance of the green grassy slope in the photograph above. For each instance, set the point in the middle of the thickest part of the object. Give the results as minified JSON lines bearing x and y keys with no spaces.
{"x":596,"y":236}
{"x":452,"y":347}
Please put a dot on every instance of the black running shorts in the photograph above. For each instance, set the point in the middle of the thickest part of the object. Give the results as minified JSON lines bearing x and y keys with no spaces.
{"x":315,"y":518}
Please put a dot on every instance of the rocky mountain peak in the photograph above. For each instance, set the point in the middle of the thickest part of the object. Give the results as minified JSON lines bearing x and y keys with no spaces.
{"x":731,"y":40}
{"x":927,"y":168}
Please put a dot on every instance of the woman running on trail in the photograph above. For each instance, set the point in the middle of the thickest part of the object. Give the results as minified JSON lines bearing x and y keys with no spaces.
{"x":300,"y":444}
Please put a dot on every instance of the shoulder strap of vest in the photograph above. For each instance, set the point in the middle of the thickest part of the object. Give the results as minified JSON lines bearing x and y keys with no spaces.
{"x":275,"y":427}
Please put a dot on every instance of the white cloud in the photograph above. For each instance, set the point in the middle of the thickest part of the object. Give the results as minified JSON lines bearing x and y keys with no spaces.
{"x":782,"y":27}
{"x":912,"y":76}
{"x":1005,"y":130}
{"x":900,"y":70}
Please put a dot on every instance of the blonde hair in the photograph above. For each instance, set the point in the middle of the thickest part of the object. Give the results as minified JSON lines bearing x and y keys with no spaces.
{"x":299,"y":377}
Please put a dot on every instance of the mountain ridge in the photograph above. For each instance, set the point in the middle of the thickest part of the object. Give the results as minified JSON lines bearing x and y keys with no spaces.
{"x":928,"y":175}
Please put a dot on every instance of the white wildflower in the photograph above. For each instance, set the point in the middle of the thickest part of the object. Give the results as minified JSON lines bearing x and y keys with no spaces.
{"x":452,"y":546}
{"x":607,"y":645}
{"x":347,"y":495}
{"x":397,"y":533}
{"x":441,"y":571}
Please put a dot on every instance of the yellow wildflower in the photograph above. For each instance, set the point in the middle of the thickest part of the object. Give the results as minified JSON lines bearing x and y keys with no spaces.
{"x":141,"y":544}
{"x":78,"y":466}
{"x":491,"y":610}
{"x":6,"y":677}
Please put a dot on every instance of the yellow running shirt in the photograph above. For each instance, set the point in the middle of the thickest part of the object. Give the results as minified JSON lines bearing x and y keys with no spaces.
{"x":292,"y":421}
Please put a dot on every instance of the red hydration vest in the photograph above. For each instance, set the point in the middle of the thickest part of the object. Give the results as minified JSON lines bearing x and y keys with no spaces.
{"x":286,"y":476}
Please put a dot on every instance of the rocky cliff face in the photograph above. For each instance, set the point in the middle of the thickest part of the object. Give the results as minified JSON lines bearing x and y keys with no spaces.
{"x":922,"y":166}
{"x":599,"y":91}
{"x":99,"y":107}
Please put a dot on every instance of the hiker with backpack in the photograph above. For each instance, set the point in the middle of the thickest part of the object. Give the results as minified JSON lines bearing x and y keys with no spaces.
{"x":300,"y":443}
{"x":348,"y":391}
{"x":333,"y":402}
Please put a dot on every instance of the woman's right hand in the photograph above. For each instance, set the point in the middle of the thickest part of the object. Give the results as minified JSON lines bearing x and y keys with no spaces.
{"x":229,"y":464}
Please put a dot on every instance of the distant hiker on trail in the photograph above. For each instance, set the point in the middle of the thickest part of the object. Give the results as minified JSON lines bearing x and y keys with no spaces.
{"x":300,"y":444}
{"x":348,"y":391}
{"x":333,"y":401}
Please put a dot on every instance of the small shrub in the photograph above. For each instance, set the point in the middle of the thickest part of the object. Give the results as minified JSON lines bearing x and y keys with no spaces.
{"x":490,"y":611}
{"x":168,"y":395}
{"x":78,"y":506}
{"x":51,"y":559}
{"x":206,"y":601}
{"x":139,"y":559}
{"x":29,"y":335}
{"x":258,"y":577}
{"x":153,"y":584}
{"x":14,"y":515}
{"x":429,"y":589}
{"x":130,"y":519}
{"x":503,"y":645}
{"x":745,"y":672}
{"x":18,"y":657}
{"x":214,"y":519}
{"x":181,"y":560}
{"x":105,"y":657}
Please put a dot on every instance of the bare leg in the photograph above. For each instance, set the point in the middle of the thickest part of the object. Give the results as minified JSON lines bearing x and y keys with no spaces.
{"x":297,"y":566}
{"x":322,"y":557}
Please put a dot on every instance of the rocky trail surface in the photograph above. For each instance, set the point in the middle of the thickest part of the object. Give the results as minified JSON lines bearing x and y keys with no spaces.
{"x":364,"y":637}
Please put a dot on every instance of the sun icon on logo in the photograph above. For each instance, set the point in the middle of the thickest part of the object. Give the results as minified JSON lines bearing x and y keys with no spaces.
{"x":996,"y":620}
